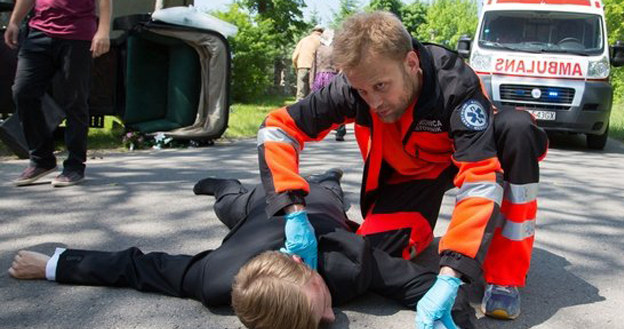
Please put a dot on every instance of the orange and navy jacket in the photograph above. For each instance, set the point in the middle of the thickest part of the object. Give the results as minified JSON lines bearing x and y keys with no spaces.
{"x":450,"y":124}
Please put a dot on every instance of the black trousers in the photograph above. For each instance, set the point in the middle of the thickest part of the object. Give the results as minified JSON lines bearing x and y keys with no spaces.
{"x":41,"y":58}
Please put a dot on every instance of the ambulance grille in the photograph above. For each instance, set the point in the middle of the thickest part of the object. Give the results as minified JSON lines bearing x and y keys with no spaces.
{"x":537,"y":107}
{"x":549,"y":95}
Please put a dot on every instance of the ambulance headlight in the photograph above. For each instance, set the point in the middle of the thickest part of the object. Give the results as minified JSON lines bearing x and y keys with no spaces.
{"x":598,"y":69}
{"x":481,"y":62}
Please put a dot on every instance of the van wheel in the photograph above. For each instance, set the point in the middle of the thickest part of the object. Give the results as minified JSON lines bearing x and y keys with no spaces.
{"x":598,"y":142}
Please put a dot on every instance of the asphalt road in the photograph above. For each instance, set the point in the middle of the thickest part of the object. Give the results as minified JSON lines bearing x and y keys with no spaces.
{"x":145,"y":199}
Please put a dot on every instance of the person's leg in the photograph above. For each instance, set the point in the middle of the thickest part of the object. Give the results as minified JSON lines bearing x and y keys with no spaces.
{"x":521,"y":145}
{"x":303,"y":86}
{"x":35,"y":69}
{"x":75,"y":62}
{"x":232,"y":198}
{"x":340,"y":133}
{"x":330,"y":180}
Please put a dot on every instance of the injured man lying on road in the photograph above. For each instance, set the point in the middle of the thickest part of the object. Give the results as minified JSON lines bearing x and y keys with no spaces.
{"x":267,"y":288}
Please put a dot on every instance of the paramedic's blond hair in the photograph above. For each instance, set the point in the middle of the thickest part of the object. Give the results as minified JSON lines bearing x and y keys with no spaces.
{"x":268,"y":293}
{"x":377,"y":33}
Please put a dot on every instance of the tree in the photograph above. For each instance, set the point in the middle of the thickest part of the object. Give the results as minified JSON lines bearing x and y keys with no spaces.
{"x":315,"y":18}
{"x":393,"y":6}
{"x":447,"y":21}
{"x":413,"y":16}
{"x":347,"y":8}
{"x":268,"y":31}
{"x":254,"y":52}
{"x":285,"y":16}
{"x":614,"y":11}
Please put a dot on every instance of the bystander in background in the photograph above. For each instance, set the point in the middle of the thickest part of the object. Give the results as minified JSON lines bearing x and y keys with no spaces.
{"x":302,"y":59}
{"x":323,"y":70}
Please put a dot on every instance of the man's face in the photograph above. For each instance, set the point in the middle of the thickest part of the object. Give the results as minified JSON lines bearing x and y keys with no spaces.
{"x":320,"y":298}
{"x":388,"y":86}
{"x":317,"y":291}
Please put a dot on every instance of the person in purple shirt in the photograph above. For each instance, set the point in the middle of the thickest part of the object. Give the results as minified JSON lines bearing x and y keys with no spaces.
{"x":63,"y":37}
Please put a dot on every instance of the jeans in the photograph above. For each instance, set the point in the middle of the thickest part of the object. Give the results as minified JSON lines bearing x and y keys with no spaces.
{"x":41,"y":58}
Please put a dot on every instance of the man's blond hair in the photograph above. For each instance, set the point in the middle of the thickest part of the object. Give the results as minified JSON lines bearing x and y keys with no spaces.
{"x":378,"y":33}
{"x":268,"y":293}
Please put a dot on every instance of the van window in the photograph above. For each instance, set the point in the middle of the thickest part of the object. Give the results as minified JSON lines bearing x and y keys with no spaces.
{"x":542,"y":32}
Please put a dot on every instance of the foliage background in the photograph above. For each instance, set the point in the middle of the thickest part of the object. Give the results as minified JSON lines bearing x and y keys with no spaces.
{"x":614,"y":13}
{"x":270,"y":29}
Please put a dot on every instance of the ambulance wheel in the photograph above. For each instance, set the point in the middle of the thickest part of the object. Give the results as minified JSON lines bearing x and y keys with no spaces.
{"x":598,"y":142}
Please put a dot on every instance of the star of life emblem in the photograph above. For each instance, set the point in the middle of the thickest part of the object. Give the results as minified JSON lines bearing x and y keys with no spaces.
{"x":473,"y":115}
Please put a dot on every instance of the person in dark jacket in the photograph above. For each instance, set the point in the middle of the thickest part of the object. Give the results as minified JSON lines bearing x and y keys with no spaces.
{"x":424,"y":125}
{"x":349,"y":264}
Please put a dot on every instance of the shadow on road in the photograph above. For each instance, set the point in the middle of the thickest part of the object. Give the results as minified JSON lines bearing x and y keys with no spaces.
{"x":550,"y":288}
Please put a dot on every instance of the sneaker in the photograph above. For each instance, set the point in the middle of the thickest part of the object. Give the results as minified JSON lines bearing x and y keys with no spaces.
{"x":32,"y":174}
{"x":67,"y":178}
{"x":210,"y":186}
{"x":501,"y":302}
{"x":333,"y":173}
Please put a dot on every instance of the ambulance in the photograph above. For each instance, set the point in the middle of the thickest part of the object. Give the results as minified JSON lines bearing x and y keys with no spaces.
{"x":550,"y":58}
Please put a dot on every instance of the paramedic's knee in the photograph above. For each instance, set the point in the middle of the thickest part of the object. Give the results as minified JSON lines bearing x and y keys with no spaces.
{"x":517,"y":132}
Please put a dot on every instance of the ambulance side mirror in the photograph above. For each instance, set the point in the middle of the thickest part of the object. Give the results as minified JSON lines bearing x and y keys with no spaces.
{"x":617,"y":54}
{"x":463,"y":46}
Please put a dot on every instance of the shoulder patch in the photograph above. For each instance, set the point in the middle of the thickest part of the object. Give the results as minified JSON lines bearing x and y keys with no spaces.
{"x":473,"y":115}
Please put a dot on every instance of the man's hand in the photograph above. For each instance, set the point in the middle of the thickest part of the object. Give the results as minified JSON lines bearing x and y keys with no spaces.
{"x":300,"y":238}
{"x":100,"y":43}
{"x":11,"y":35}
{"x":437,"y":303}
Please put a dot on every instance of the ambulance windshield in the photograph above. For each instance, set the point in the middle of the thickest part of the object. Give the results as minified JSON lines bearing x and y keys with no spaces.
{"x":542,"y":32}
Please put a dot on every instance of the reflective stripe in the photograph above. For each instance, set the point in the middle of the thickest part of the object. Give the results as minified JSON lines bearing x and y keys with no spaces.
{"x":519,"y":231}
{"x":487,"y":190}
{"x":274,"y":134}
{"x":521,"y":193}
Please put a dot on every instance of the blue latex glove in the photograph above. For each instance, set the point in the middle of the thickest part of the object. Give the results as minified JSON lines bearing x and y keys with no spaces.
{"x":300,"y":238}
{"x":437,"y":303}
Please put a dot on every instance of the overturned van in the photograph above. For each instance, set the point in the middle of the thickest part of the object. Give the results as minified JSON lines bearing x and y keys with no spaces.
{"x":167,"y":72}
{"x":177,"y":73}
{"x":548,"y":57}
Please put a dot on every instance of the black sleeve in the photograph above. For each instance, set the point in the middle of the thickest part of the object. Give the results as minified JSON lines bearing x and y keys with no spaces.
{"x":407,"y":282}
{"x":345,"y":264}
{"x":153,"y":272}
{"x":400,"y":279}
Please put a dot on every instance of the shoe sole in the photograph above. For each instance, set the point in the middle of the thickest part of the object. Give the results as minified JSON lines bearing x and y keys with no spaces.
{"x":29,"y":181}
{"x":64,"y":184}
{"x":500,"y":314}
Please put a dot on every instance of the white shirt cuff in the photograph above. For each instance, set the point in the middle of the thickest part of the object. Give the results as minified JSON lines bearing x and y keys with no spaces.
{"x":52,"y":263}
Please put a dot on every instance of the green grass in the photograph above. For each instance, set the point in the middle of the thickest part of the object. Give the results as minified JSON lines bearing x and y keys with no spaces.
{"x":108,"y":137}
{"x":616,"y":125}
{"x":245,"y":118}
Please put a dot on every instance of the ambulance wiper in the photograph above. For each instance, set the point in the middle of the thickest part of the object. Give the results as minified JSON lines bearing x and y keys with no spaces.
{"x":500,"y":45}
{"x":564,"y":51}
